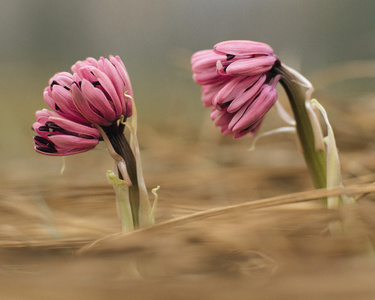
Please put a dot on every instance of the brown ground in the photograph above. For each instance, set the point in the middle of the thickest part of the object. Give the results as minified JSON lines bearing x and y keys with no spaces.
{"x":49,"y":222}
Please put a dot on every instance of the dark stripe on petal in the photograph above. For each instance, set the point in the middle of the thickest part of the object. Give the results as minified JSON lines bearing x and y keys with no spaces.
{"x":41,"y":140}
{"x":53,"y":126}
{"x":46,"y":149}
{"x":230,"y":56}
{"x":43,"y":128}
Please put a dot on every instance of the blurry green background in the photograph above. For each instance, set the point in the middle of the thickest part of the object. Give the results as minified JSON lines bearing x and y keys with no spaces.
{"x":155,"y":39}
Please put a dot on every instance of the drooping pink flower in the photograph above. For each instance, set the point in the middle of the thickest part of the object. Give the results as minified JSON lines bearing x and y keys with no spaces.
{"x":98,"y":91}
{"x":59,"y":136}
{"x":238,"y":83}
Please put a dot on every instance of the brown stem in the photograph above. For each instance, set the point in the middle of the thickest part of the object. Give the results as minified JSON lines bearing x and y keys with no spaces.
{"x":122,"y":147}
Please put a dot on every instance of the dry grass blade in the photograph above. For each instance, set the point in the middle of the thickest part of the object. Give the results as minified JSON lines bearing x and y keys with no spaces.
{"x":257,"y":204}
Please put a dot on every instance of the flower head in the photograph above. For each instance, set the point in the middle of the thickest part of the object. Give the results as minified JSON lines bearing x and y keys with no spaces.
{"x":101,"y":90}
{"x":237,"y":83}
{"x":98,"y":91}
{"x":60,"y":136}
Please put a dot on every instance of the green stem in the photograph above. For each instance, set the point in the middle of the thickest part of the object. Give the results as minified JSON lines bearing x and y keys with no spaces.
{"x":122,"y":147}
{"x":124,"y":207}
{"x":315,"y":159}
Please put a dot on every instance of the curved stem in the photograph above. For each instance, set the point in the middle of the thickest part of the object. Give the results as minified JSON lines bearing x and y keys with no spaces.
{"x":315,"y":159}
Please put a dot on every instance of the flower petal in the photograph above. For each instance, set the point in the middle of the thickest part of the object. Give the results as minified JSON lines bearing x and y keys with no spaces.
{"x":243,"y":47}
{"x":121,"y":69}
{"x":108,"y":86}
{"x":85,"y":109}
{"x":205,"y":60}
{"x":256,"y":109}
{"x":63,"y":79}
{"x":98,"y":100}
{"x":65,"y":105}
{"x":65,"y":142}
{"x":251,"y":66}
{"x":248,"y":95}
{"x":110,"y":70}
{"x":74,"y":127}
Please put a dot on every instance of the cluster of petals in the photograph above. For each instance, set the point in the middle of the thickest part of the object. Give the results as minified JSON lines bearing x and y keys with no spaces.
{"x":58,"y":135}
{"x":237,"y":83}
{"x":96,"y":92}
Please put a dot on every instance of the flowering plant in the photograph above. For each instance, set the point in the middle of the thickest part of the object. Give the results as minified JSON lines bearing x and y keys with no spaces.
{"x":239,"y":81}
{"x":89,"y":105}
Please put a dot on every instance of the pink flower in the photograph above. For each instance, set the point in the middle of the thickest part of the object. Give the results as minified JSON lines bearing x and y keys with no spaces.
{"x":98,"y":92}
{"x":238,"y":82}
{"x":59,"y":136}
{"x":101,"y":90}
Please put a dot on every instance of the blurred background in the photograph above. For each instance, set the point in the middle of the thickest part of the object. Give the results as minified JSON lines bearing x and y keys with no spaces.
{"x":155,"y":39}
{"x":46,"y":216}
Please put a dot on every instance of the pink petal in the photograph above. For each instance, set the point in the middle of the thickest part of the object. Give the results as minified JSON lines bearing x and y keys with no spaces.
{"x":114,"y":76}
{"x":210,"y":77}
{"x":62,"y":78}
{"x":257,"y":109}
{"x":222,"y":95}
{"x":63,"y":99}
{"x":98,"y":100}
{"x":72,"y":142}
{"x":238,"y":115}
{"x":83,"y":64}
{"x":108,"y":86}
{"x":243,"y":47}
{"x":75,"y":127}
{"x":206,"y":62}
{"x":47,"y":96}
{"x":85,"y":109}
{"x":44,"y":113}
{"x":129,"y":107}
{"x":85,"y":73}
{"x":199,"y":55}
{"x":252,"y":130}
{"x":236,"y":87}
{"x":224,"y":119}
{"x":36,"y":127}
{"x":247,"y":96}
{"x":121,"y":69}
{"x":215,"y":113}
{"x":207,"y":97}
{"x":251,"y":66}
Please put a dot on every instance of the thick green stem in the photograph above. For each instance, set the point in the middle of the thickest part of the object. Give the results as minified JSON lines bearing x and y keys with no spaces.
{"x":315,"y":159}
{"x":122,"y":147}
